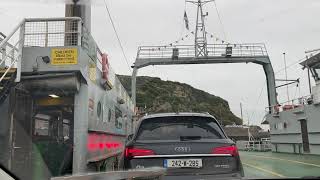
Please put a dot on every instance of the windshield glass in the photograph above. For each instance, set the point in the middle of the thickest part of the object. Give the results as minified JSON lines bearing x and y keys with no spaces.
{"x":317,"y":73}
{"x":113,"y":86}
{"x":179,"y":128}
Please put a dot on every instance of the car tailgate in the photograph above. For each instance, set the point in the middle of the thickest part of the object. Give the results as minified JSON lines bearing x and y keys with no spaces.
{"x":212,"y":163}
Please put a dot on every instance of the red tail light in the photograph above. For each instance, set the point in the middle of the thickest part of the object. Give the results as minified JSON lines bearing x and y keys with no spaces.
{"x":232,"y":150}
{"x":131,"y":152}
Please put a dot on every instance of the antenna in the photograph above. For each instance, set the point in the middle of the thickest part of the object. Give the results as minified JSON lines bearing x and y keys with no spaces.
{"x":200,"y":40}
{"x":241,"y":111}
{"x":286,"y":74}
{"x":309,"y":80}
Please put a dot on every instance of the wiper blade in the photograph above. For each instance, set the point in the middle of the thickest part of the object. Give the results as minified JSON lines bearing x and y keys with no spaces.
{"x":186,"y":138}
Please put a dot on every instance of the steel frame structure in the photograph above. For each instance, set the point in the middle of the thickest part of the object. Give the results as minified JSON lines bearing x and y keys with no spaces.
{"x":200,"y":40}
{"x":217,"y":53}
{"x":203,"y":53}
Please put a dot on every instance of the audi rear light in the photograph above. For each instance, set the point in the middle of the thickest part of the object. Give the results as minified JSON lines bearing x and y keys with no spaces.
{"x":232,"y":150}
{"x":131,"y":152}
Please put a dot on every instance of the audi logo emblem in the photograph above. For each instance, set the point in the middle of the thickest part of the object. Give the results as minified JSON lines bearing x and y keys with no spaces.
{"x":182,"y":149}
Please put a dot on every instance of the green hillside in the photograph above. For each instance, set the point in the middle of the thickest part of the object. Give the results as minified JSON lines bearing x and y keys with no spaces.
{"x":167,"y":96}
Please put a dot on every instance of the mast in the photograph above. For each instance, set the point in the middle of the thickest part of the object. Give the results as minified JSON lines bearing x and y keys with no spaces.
{"x":286,"y":74}
{"x":241,"y":111}
{"x":80,"y":10}
{"x":200,"y":40}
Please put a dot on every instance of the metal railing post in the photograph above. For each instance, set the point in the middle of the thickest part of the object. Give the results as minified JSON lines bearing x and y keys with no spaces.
{"x":12,"y":55}
{"x":79,"y":33}
{"x":46,"y":36}
{"x":162,"y":53}
{"x":4,"y":52}
{"x":133,"y":85}
{"x":19,"y":56}
{"x":4,"y":42}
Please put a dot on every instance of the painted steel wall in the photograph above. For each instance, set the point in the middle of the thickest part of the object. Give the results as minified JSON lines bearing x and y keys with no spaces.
{"x":98,"y":111}
{"x":290,"y":137}
{"x":91,"y":71}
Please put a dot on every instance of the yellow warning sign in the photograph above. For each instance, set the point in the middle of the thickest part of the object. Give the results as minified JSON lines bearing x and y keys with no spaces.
{"x":64,"y":56}
{"x":92,"y":72}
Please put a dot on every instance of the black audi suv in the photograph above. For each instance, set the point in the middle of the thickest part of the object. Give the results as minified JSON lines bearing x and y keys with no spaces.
{"x":188,"y":145}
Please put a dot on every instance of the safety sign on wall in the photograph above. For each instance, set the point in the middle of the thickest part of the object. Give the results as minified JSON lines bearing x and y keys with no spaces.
{"x":64,"y":56}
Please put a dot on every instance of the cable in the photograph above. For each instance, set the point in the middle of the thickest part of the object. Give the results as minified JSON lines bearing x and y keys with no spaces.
{"x":296,"y":62}
{"x":174,"y":43}
{"x":253,"y":113}
{"x":290,"y":65}
{"x":295,"y":93}
{"x":222,"y":27}
{"x":217,"y":38}
{"x":114,"y":28}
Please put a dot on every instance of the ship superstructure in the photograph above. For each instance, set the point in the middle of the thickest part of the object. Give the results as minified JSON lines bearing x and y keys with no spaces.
{"x":294,"y":125}
{"x":63,"y":110}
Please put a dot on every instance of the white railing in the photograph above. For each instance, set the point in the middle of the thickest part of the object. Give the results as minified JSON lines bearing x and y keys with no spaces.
{"x":38,"y":32}
{"x":50,"y":32}
{"x":263,"y":145}
{"x":59,"y":32}
{"x":214,"y":50}
{"x":287,"y":105}
{"x":11,"y":50}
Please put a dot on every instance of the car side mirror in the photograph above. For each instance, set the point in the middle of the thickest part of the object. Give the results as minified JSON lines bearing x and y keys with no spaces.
{"x":130,"y":137}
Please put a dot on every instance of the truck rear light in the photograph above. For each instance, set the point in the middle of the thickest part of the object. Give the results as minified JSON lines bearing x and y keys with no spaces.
{"x":232,"y":150}
{"x":131,"y":152}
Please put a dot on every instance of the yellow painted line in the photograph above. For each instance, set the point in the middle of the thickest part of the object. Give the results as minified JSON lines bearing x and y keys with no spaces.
{"x":293,"y":161}
{"x":265,"y":170}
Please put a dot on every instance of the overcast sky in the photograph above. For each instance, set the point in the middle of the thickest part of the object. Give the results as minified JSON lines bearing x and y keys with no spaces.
{"x":283,"y":25}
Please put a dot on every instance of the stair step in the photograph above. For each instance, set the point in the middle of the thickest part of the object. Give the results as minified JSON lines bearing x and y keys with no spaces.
{"x":12,"y":70}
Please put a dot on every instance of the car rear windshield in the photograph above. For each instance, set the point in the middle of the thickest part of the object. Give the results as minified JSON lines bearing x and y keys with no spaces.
{"x":181,"y":128}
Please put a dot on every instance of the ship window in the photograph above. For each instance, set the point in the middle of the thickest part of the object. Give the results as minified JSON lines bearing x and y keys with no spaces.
{"x":285,"y":125}
{"x":318,"y":73}
{"x":41,"y":126}
{"x":280,"y":126}
{"x":66,"y":129}
{"x":99,"y":108}
{"x":315,"y":70}
{"x":109,"y":115}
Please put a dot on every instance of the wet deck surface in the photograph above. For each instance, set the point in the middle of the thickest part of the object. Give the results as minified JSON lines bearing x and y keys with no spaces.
{"x":273,"y":165}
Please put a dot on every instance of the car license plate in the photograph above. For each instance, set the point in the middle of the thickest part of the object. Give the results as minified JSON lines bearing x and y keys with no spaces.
{"x":180,"y":163}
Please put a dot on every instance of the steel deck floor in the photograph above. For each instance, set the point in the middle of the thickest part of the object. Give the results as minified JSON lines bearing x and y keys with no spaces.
{"x":273,"y":165}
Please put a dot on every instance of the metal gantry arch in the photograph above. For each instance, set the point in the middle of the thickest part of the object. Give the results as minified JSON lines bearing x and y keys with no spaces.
{"x":216,"y":54}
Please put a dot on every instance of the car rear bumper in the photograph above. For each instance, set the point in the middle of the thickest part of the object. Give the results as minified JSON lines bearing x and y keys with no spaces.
{"x":236,"y":176}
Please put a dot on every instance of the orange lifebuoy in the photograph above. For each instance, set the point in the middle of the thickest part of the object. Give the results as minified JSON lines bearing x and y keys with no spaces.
{"x":277,"y":108}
